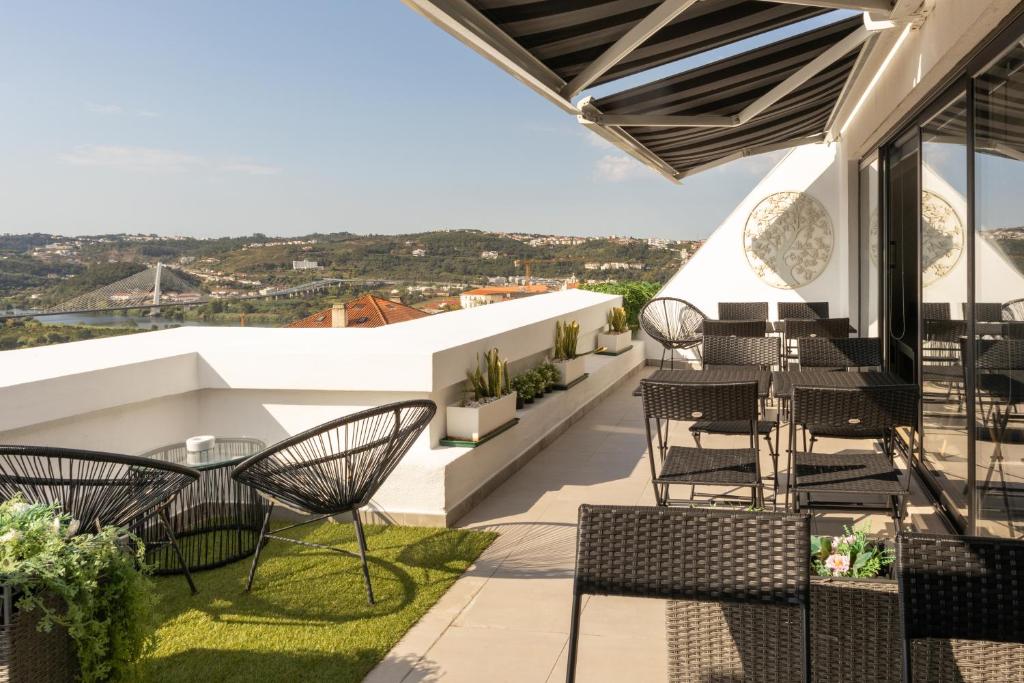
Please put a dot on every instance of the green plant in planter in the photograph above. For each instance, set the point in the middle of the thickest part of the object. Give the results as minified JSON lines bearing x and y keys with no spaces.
{"x":617,"y":323}
{"x":566,"y":336}
{"x":492,"y":381}
{"x":99,"y":579}
{"x":550,"y":374}
{"x":853,"y":554}
{"x":523,"y":386}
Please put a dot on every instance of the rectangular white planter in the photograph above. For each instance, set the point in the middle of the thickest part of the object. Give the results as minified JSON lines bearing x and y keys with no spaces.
{"x":615,"y":342}
{"x":472,"y":424}
{"x":569,"y":370}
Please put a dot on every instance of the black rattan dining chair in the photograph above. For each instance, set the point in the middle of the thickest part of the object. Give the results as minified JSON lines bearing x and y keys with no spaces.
{"x":962,"y":604}
{"x":701,"y":555}
{"x":743,"y":310}
{"x":1014,"y":310}
{"x":673,"y":323}
{"x":862,"y":473}
{"x":734,"y":328}
{"x":985,"y":311}
{"x":761,"y":352}
{"x":97,"y":489}
{"x":667,"y":402}
{"x":802,"y":310}
{"x":801,"y":328}
{"x":334,"y":469}
{"x":840,"y":354}
{"x":935,"y":310}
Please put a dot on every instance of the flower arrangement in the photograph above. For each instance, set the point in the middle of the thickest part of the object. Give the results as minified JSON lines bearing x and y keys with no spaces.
{"x":851,"y":555}
{"x":104,"y":597}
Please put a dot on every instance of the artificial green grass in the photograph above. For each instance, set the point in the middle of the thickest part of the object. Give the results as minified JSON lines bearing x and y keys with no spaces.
{"x":306,"y":618}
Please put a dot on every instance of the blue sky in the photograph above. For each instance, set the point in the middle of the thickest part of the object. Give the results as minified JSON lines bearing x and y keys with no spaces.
{"x":228,"y":118}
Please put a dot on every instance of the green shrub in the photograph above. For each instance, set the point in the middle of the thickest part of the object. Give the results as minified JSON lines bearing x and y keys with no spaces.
{"x":634,"y":296}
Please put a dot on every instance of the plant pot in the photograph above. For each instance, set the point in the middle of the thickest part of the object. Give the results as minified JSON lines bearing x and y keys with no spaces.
{"x":27,"y":654}
{"x":615,"y":342}
{"x":519,"y":402}
{"x":531,"y":399}
{"x":472,"y":424}
{"x":569,"y":370}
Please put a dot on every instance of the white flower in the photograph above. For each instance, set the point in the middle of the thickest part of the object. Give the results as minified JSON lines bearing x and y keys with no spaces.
{"x":11,"y":536}
{"x":838,"y":564}
{"x":73,"y":527}
{"x":18,"y":508}
{"x":56,"y":525}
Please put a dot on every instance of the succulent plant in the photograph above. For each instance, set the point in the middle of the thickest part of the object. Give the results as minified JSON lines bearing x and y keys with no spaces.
{"x":617,"y":322}
{"x":523,"y":385}
{"x":566,"y":336}
{"x":492,"y":381}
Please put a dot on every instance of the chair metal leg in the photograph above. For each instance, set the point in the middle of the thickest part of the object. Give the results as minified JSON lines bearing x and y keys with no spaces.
{"x":259,"y":547}
{"x":362,"y":555}
{"x":574,"y":634}
{"x":166,"y":521}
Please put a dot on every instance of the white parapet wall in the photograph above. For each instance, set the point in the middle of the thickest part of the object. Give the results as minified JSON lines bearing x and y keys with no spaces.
{"x":134,"y":393}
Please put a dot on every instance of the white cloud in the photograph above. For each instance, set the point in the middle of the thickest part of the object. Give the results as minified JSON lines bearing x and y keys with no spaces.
{"x":595,"y":140}
{"x":132,"y":158}
{"x":616,"y":168}
{"x":147,"y":114}
{"x":103,"y":108}
{"x":250,"y":169}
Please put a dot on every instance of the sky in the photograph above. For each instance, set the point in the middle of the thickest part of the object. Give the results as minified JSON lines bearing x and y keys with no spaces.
{"x":229,"y":118}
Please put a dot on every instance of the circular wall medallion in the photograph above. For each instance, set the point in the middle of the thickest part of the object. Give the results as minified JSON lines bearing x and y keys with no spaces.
{"x":942,"y":238}
{"x":788,"y":239}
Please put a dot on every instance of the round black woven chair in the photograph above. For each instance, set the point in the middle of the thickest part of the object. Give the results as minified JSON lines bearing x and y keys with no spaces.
{"x":673,"y":323}
{"x":333,"y":469}
{"x":95,"y":488}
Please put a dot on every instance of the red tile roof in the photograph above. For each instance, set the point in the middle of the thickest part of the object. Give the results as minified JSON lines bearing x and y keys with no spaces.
{"x":366,"y":311}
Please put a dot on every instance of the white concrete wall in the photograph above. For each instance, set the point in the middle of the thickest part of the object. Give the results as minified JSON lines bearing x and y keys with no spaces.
{"x":131,"y":394}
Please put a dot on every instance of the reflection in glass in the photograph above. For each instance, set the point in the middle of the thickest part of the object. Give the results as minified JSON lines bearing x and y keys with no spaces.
{"x":943,"y":292}
{"x":869,"y":250}
{"x":999,"y":288}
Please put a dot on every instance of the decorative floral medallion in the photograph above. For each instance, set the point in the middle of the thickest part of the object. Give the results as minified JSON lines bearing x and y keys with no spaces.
{"x":788,"y":239}
{"x":942,"y":238}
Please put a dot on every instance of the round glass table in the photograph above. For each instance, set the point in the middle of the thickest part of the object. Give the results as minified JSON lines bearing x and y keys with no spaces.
{"x":216,"y":520}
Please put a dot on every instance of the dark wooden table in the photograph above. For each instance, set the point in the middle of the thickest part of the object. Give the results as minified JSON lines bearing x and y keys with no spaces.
{"x":717,"y":374}
{"x":783,"y":382}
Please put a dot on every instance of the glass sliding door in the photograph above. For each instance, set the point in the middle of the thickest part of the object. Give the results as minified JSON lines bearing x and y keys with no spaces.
{"x":903,"y":192}
{"x":870,"y":251}
{"x":998,"y":330}
{"x":944,"y":293}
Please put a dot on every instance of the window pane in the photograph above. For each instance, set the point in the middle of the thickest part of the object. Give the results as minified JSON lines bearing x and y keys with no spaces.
{"x":944,"y":271}
{"x":999,"y":286}
{"x":869,"y":250}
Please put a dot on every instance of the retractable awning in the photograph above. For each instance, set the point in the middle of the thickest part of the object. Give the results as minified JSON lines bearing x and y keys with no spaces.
{"x":779,"y":95}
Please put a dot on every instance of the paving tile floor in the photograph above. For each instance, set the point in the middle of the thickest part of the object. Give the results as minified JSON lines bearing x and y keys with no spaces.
{"x":507,"y":618}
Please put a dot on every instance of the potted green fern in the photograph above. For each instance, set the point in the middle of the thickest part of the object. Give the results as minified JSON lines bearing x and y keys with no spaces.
{"x":617,"y":338}
{"x":490,"y":402}
{"x":566,"y":361}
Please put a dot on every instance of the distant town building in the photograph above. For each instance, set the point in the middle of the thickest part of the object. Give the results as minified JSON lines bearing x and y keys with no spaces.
{"x":305,"y":264}
{"x":491,"y":255}
{"x":419,"y":252}
{"x":365,"y":311}
{"x":492,"y":295}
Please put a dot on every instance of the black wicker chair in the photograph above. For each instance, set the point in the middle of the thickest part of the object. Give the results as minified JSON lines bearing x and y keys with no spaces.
{"x":985,"y":312}
{"x":333,"y":469}
{"x":842,"y":353}
{"x":734,"y":328}
{"x":743,"y":310}
{"x":700,"y":555}
{"x":95,"y":488}
{"x":935,"y":310}
{"x":863,"y":473}
{"x":762,"y":352}
{"x":1014,"y":310}
{"x":802,"y":310}
{"x":963,"y":608}
{"x":673,"y":323}
{"x":737,"y":402}
{"x":801,"y":328}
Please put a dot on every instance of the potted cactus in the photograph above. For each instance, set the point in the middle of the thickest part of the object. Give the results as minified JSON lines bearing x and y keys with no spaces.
{"x":566,"y":361}
{"x":490,"y":402}
{"x":617,"y":338}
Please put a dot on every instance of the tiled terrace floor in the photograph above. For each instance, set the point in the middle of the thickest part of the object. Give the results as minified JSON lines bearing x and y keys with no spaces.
{"x":507,"y":618}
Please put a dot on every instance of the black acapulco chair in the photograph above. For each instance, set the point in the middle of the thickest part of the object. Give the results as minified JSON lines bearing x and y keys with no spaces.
{"x":333,"y":469}
{"x":673,"y":323}
{"x":755,"y":560}
{"x":96,"y":488}
{"x":743,"y":310}
{"x":963,"y":607}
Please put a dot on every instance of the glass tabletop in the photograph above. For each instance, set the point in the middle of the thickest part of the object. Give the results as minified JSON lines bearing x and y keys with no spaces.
{"x":226,"y":452}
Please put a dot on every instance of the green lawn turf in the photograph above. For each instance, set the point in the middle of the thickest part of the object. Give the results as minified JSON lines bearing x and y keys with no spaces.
{"x":306,"y":618}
